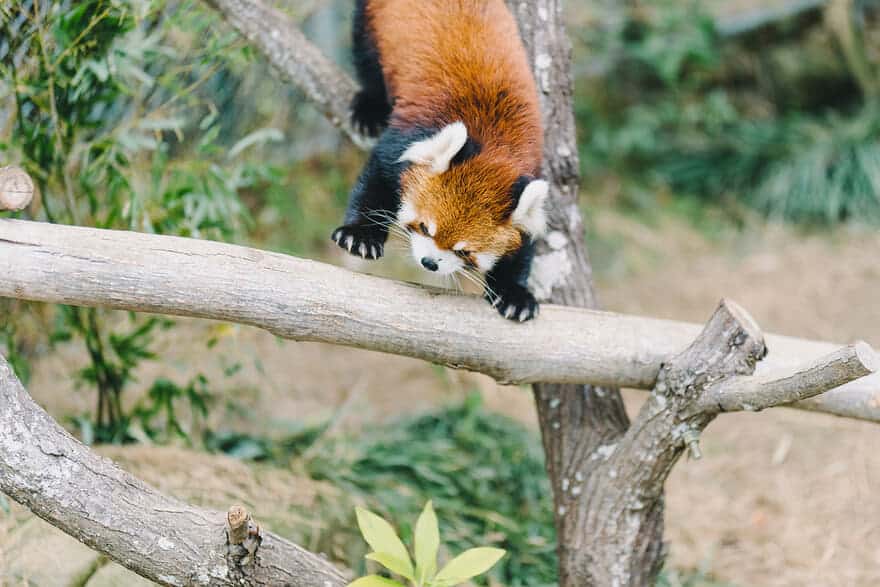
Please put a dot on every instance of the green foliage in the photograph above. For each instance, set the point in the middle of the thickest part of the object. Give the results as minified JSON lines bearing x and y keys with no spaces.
{"x":802,"y":169}
{"x":682,"y":113}
{"x":162,"y":400}
{"x":483,"y":471}
{"x":105,"y":106}
{"x":390,"y":552}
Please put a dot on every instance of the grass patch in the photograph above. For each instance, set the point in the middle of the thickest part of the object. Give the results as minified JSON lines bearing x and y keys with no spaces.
{"x":483,"y":471}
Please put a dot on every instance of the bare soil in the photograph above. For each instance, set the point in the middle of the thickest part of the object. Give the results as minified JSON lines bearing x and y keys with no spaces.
{"x":781,"y":498}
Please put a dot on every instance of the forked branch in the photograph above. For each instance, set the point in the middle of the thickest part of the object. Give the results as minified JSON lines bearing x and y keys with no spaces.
{"x":626,"y":484}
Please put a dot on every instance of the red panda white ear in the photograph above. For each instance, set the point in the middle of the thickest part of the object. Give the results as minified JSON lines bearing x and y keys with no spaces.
{"x":438,"y":151}
{"x":529,"y":214}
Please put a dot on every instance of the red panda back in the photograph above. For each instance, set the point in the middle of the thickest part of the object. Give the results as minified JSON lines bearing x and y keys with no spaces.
{"x":449,"y":60}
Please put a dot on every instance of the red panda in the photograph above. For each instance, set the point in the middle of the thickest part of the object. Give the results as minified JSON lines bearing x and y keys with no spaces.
{"x":447,"y":87}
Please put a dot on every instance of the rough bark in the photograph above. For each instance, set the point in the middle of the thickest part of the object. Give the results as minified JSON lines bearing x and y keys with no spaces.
{"x":576,"y":421}
{"x":624,"y":490}
{"x":305,"y":300}
{"x":48,"y":471}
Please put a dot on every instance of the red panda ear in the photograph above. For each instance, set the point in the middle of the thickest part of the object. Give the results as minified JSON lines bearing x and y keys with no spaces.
{"x":529,"y":214}
{"x":438,"y":151}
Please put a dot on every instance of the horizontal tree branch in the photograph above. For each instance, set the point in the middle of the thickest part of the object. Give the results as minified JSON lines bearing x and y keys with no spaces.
{"x":306,"y":300}
{"x":761,"y":392}
{"x":165,"y":540}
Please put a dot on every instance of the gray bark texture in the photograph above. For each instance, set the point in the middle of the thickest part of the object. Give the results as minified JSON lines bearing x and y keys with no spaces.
{"x":576,"y":420}
{"x":51,"y":473}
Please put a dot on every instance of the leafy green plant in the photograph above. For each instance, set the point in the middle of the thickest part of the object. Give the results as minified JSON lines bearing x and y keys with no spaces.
{"x":109,"y":116}
{"x":163,"y":399}
{"x":390,"y":552}
{"x":776,"y":123}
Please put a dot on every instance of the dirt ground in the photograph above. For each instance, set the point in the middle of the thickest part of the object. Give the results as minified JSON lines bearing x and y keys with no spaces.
{"x":781,"y":498}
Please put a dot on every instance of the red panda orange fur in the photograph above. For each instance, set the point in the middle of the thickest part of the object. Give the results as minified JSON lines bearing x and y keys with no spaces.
{"x":462,"y":60}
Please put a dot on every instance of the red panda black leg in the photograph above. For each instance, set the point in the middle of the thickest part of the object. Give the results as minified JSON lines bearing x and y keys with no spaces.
{"x":369,"y":114}
{"x":374,"y":200}
{"x":506,"y":288}
{"x":370,"y":108}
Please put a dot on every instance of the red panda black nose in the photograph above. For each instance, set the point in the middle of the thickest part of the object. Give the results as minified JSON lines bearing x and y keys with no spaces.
{"x":429,"y":264}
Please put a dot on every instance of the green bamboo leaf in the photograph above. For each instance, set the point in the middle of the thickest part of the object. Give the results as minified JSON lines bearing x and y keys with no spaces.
{"x":374,"y":581}
{"x":381,"y":536}
{"x":393,"y":564}
{"x":427,"y":543}
{"x":470,"y":563}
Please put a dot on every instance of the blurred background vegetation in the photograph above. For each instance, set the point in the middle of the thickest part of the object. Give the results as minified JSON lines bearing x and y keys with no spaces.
{"x":152,"y":115}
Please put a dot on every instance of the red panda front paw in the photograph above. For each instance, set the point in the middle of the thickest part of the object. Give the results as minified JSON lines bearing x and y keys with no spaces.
{"x":514,"y":302}
{"x":367,"y":242}
{"x":369,"y":113}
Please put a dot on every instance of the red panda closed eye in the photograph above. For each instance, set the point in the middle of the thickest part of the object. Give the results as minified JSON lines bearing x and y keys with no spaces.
{"x":449,"y":86}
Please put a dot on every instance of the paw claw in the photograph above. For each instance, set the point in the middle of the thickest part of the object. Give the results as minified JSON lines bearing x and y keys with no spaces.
{"x":514,"y":302}
{"x":362,"y":241}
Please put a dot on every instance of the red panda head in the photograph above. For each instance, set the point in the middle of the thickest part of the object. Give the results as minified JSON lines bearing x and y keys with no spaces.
{"x":470,"y":214}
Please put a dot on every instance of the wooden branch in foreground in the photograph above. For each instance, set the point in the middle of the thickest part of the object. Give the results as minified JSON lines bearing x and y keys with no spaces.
{"x":306,"y":300}
{"x":165,"y":540}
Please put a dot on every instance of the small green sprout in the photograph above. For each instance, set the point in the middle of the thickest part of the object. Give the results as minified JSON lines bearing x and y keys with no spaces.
{"x":390,"y":552}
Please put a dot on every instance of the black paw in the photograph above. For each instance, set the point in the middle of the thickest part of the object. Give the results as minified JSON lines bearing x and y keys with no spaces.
{"x":367,"y":242}
{"x":369,"y":114}
{"x":514,"y":303}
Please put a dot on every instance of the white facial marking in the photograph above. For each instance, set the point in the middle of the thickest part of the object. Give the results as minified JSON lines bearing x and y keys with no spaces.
{"x":432,"y":228}
{"x":438,"y":151}
{"x":424,"y":247}
{"x":406,"y":213}
{"x":529,"y":214}
{"x":485,"y":261}
{"x":459,"y":246}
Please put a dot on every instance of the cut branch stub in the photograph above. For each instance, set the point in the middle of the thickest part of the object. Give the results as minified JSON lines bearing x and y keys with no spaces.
{"x":730,"y":344}
{"x":237,"y":524}
{"x":244,"y":538}
{"x":16,"y":188}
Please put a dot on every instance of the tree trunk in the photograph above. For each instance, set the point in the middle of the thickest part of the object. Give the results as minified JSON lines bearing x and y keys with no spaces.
{"x":576,"y":420}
